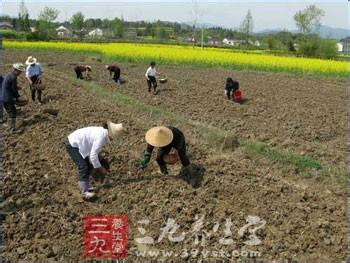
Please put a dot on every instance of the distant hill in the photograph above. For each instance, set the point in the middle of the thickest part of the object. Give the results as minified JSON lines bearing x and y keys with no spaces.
{"x":325,"y":32}
{"x":331,"y":32}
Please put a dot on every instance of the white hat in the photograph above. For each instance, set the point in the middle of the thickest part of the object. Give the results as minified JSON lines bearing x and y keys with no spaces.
{"x":159,"y":136}
{"x":115,"y":130}
{"x":31,"y":60}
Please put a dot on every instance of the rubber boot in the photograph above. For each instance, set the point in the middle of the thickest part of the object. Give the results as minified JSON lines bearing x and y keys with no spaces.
{"x":12,"y":125}
{"x":86,"y":192}
{"x":84,"y":186}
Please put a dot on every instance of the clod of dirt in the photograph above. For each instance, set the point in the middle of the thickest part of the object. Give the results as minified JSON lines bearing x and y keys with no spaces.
{"x":230,"y":143}
{"x":51,"y":111}
{"x":192,"y":174}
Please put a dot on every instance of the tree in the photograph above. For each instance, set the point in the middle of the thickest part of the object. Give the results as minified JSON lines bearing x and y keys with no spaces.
{"x":196,"y":14}
{"x":90,"y":23}
{"x":44,"y":26}
{"x":23,"y":18}
{"x":328,"y":48}
{"x":271,"y":42}
{"x":247,"y":27}
{"x":48,"y":14}
{"x":118,"y":27}
{"x":309,"y":19}
{"x":77,"y":21}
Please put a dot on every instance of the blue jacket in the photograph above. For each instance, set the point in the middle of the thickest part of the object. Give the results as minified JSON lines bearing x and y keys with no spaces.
{"x":1,"y":80}
{"x":9,"y":90}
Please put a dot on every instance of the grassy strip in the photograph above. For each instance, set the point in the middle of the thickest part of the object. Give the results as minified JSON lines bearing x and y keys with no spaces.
{"x":308,"y":166}
{"x":179,"y":55}
{"x":305,"y":164}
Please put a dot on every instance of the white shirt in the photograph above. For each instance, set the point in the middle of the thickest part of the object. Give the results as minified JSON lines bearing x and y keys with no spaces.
{"x":34,"y":71}
{"x":89,"y":141}
{"x":151,"y":72}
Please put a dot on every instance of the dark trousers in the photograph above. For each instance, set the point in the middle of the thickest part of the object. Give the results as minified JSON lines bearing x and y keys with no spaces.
{"x":116,"y":76}
{"x":10,"y":109}
{"x":152,"y":82}
{"x":229,"y":92}
{"x":1,"y":112}
{"x":34,"y":79}
{"x":81,"y":163}
{"x":79,"y":74}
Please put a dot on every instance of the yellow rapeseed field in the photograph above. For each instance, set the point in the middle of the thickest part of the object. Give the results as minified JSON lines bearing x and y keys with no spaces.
{"x":195,"y":56}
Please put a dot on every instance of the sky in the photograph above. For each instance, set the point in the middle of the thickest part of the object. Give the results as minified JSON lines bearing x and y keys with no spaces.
{"x":266,"y":14}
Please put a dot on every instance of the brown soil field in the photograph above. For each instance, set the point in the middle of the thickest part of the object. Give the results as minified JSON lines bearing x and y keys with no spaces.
{"x":305,"y":216}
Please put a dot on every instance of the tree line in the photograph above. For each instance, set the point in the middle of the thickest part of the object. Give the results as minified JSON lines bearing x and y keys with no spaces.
{"x":306,"y":42}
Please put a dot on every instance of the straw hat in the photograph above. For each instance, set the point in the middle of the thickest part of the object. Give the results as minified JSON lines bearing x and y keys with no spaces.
{"x":115,"y":130}
{"x":19,"y":67}
{"x":31,"y":60}
{"x":159,"y":136}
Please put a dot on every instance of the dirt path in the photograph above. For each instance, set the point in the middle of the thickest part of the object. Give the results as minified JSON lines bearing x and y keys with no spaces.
{"x":305,"y":217}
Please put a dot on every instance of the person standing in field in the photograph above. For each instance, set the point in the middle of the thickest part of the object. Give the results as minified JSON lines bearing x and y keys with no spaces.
{"x":151,"y":74}
{"x":114,"y":69}
{"x":33,"y":75}
{"x":10,"y":95}
{"x":164,"y":138}
{"x":80,"y":69}
{"x":1,"y":106}
{"x":83,"y":147}
{"x":231,"y":87}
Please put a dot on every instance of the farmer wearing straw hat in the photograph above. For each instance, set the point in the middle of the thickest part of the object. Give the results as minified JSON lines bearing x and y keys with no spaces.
{"x":164,"y":138}
{"x":116,"y":70}
{"x":10,"y":95}
{"x":33,"y":75}
{"x":79,"y":70}
{"x":84,"y":146}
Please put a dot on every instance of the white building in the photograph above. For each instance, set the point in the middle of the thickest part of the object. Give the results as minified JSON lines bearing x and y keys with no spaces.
{"x":232,"y":42}
{"x":344,"y":46}
{"x":5,"y":25}
{"x":62,"y":31}
{"x":340,"y":47}
{"x":96,"y":33}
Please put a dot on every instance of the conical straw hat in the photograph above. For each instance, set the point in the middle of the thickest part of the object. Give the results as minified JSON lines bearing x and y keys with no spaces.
{"x":159,"y":136}
{"x":115,"y":130}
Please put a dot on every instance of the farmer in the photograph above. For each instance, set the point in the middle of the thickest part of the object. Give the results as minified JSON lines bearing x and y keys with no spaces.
{"x":116,"y":70}
{"x":10,"y":95}
{"x":33,"y":75}
{"x":84,"y":145}
{"x":151,"y":74}
{"x":165,"y":138}
{"x":231,"y":87}
{"x":79,"y":70}
{"x":1,"y":107}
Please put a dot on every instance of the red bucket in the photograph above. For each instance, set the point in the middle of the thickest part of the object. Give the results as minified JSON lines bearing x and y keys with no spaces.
{"x":171,"y":158}
{"x":237,"y":95}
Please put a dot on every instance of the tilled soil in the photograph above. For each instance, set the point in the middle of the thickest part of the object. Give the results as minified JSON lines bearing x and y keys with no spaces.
{"x":305,"y":217}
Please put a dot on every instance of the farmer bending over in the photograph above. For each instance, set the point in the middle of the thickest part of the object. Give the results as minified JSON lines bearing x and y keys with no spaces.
{"x":84,"y":145}
{"x":10,"y":95}
{"x":33,"y":74}
{"x":165,"y":138}
{"x":116,"y":70}
{"x":79,"y":70}
{"x":231,"y":87}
